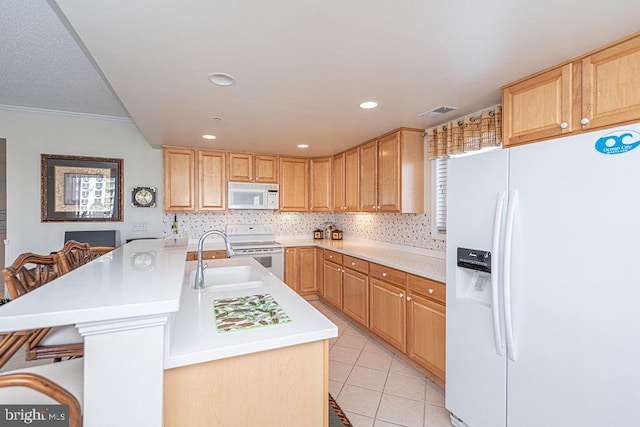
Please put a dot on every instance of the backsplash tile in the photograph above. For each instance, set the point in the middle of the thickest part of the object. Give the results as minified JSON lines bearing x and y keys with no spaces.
{"x":403,"y":229}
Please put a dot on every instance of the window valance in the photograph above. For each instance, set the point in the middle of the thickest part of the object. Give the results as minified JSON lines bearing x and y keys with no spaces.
{"x":466,"y":134}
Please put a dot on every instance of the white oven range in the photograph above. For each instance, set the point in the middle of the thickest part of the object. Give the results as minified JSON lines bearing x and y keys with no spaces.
{"x":257,"y":241}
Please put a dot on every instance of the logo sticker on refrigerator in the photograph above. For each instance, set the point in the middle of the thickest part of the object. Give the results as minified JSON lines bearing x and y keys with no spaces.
{"x":618,"y":142}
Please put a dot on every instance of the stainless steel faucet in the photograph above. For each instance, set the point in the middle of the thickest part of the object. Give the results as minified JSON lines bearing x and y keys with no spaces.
{"x":199,"y":280}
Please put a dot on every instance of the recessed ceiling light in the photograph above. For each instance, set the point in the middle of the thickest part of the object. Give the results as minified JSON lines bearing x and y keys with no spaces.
{"x":302,"y":145}
{"x":217,"y":118}
{"x":222,"y":79}
{"x":367,"y":105}
{"x":209,"y":136}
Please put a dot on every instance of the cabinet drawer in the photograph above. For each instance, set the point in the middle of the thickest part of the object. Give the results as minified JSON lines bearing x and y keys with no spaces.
{"x":193,"y":256}
{"x":355,"y":264}
{"x":387,"y":274}
{"x":427,"y":287}
{"x":333,"y":256}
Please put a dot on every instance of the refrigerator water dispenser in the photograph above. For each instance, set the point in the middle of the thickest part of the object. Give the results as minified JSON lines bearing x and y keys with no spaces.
{"x":473,"y":276}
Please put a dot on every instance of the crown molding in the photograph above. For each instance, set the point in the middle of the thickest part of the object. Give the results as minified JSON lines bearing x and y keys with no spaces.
{"x":15,"y":108}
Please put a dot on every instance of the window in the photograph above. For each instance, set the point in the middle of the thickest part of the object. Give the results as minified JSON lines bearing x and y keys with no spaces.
{"x":439,"y":215}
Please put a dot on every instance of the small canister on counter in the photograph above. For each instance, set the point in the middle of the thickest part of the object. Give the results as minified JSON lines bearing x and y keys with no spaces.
{"x":318,"y":234}
{"x":336,"y":235}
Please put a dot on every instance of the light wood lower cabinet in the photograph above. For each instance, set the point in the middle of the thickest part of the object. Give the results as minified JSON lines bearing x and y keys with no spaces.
{"x":387,"y":316}
{"x":355,"y":296}
{"x":333,"y":283}
{"x":426,"y":327}
{"x":283,"y":387}
{"x":300,"y":269}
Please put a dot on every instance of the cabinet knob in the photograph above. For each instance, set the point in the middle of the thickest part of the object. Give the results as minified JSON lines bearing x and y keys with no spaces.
{"x":401,"y":295}
{"x":584,"y":121}
{"x":430,"y":290}
{"x":564,"y":125}
{"x":330,"y":256}
{"x":408,"y":298}
{"x":384,"y":274}
{"x":213,"y":256}
{"x":353,"y":263}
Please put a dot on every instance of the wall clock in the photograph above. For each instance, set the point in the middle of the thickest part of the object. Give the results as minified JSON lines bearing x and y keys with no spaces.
{"x":143,"y":197}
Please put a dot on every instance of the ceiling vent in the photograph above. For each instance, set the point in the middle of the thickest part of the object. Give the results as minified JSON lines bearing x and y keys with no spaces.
{"x":437,"y":111}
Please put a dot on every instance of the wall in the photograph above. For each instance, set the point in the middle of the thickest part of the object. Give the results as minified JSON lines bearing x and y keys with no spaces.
{"x":404,"y":229}
{"x":29,"y":133}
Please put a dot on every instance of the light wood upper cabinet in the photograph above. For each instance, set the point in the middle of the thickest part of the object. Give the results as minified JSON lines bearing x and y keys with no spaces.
{"x":346,"y":181}
{"x":338,"y":183}
{"x":540,"y":107}
{"x":392,"y":173}
{"x":598,"y":90}
{"x":294,"y":184}
{"x":369,"y":176}
{"x":212,"y":188}
{"x":320,"y":184}
{"x":194,"y":180}
{"x":611,"y":85}
{"x":248,"y":167}
{"x":179,"y":179}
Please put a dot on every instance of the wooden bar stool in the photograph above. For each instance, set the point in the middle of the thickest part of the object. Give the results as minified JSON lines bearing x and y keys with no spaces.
{"x":29,"y":272}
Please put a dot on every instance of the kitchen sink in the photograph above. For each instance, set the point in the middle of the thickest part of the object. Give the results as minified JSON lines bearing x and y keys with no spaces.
{"x":230,"y":278}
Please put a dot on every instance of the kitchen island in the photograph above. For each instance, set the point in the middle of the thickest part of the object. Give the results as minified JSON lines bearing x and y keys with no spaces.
{"x":132,"y":304}
{"x":253,"y":374}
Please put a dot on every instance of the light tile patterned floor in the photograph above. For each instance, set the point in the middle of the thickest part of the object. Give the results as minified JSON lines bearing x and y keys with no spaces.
{"x":373,"y":386}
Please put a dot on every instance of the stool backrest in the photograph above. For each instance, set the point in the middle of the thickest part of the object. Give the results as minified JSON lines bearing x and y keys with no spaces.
{"x":30,"y":271}
{"x":72,"y":255}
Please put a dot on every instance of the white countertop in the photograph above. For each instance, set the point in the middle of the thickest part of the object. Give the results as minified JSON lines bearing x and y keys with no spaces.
{"x":402,"y":258}
{"x":141,"y":278}
{"x":421,"y":262}
{"x":192,"y":336}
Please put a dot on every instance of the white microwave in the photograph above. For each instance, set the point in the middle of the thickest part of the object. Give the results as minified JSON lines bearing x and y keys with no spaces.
{"x":249,"y":195}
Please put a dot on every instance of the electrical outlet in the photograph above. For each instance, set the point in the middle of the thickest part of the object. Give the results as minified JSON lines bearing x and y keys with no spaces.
{"x":139,"y":226}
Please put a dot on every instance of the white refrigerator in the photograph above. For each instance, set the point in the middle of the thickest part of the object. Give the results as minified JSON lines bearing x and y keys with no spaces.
{"x":551,"y":336}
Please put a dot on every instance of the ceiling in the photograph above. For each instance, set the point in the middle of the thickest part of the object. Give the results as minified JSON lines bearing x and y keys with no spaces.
{"x":302,"y":67}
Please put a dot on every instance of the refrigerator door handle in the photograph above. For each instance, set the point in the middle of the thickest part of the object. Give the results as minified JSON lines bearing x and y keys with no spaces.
{"x":495,"y":262}
{"x":508,"y":239}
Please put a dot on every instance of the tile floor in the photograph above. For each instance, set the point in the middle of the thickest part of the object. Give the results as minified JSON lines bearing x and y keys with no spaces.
{"x":374,"y":387}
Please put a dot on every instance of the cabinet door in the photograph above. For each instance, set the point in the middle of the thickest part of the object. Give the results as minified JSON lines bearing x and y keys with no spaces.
{"x":368,"y":176}
{"x":611,"y":86}
{"x":266,"y":169}
{"x":294,"y":184}
{"x":338,"y":183}
{"x":389,"y":173}
{"x":179,"y":180}
{"x":240,"y":167}
{"x":307,"y":267}
{"x":539,"y":107}
{"x":352,"y":180}
{"x":355,"y":296}
{"x":291,"y":268}
{"x":427,"y":333}
{"x":212,"y":191}
{"x":320,"y":185}
{"x":320,"y":271}
{"x":387,"y":313}
{"x":333,"y":283}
